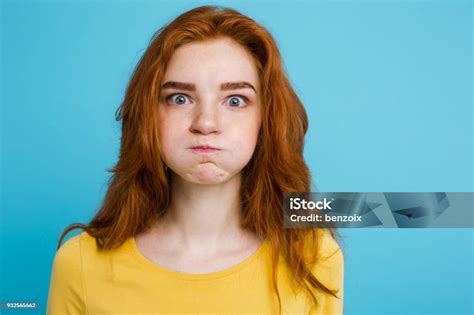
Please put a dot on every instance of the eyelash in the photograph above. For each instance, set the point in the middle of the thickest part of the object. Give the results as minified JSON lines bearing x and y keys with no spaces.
{"x":246,"y":100}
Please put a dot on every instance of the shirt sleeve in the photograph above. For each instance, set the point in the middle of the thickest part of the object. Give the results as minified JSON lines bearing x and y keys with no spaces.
{"x":330,"y":271}
{"x":66,"y":290}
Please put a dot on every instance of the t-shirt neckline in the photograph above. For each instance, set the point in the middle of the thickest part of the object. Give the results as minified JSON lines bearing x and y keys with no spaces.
{"x":194,"y":276}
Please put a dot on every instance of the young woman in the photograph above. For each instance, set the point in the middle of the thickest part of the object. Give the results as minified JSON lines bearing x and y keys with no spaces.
{"x":192,"y":222}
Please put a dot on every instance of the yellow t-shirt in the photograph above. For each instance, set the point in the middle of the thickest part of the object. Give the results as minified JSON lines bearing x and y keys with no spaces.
{"x":123,"y":281}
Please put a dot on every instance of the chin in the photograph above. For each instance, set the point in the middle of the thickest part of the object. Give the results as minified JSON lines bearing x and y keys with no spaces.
{"x":208,"y":179}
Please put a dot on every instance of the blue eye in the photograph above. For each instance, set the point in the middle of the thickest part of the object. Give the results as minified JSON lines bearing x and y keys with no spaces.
{"x":178,"y":99}
{"x":236,"y":101}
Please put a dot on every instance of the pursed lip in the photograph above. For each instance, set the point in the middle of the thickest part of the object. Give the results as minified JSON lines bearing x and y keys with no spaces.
{"x":204,"y":147}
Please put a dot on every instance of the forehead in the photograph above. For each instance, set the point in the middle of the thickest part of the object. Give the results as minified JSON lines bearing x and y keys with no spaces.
{"x":212,"y":62}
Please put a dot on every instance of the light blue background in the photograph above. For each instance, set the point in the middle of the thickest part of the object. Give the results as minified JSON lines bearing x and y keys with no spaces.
{"x":387,"y":86}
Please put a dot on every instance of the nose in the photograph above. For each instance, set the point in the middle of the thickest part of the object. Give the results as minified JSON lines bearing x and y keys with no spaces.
{"x":205,"y":119}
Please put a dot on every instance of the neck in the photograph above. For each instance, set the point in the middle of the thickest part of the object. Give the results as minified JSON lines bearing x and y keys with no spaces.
{"x":203,"y":217}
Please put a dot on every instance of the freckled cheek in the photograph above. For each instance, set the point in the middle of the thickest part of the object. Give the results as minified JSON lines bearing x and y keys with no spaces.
{"x":169,"y":139}
{"x":170,"y":127}
{"x":243,"y":140}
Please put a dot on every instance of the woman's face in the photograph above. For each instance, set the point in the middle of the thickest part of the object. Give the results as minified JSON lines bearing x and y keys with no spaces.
{"x":209,"y":98}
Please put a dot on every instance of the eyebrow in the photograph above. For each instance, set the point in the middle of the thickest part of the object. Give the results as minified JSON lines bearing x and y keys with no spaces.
{"x":192,"y":87}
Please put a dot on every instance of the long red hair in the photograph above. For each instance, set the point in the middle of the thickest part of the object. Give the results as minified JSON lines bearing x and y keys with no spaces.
{"x":139,"y":189}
